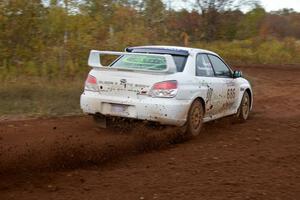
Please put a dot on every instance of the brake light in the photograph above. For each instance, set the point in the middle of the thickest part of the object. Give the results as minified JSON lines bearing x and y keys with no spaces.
{"x":91,"y":79}
{"x":166,"y":85}
{"x":165,"y":89}
{"x":91,"y":83}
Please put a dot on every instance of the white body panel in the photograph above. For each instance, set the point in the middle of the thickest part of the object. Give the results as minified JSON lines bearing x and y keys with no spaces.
{"x":221,"y":96}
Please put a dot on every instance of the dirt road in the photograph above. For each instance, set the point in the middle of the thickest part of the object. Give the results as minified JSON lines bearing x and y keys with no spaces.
{"x":70,"y":158}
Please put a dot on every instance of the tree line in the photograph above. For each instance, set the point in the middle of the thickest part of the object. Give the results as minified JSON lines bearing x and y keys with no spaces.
{"x":53,"y":38}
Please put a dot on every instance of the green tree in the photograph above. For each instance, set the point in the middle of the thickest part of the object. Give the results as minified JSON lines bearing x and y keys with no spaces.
{"x":250,"y":25}
{"x":154,"y":14}
{"x":20,"y":31}
{"x":229,"y":22}
{"x":210,"y":11}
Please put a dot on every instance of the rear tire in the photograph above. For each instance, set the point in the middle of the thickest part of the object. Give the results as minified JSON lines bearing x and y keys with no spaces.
{"x":244,"y":109}
{"x":194,"y":119}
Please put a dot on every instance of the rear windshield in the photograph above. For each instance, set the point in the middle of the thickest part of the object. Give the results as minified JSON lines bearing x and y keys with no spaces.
{"x":179,"y":56}
{"x":142,"y":62}
{"x":148,"y":62}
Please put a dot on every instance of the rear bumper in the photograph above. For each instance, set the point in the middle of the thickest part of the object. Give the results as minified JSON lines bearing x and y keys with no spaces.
{"x":163,"y":110}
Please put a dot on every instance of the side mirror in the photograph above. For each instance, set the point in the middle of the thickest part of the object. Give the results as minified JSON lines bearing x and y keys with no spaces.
{"x":237,"y":74}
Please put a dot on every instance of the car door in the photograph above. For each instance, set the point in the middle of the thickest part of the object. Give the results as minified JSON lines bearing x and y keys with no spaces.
{"x":225,"y":86}
{"x":204,"y":76}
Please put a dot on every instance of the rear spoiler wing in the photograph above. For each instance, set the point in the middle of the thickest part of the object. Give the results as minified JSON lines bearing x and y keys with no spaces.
{"x":95,"y":61}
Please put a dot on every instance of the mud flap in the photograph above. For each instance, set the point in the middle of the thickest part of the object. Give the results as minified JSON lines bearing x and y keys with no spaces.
{"x":100,"y":121}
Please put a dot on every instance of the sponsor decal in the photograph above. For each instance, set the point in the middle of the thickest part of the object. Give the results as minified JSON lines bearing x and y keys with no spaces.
{"x":231,"y":93}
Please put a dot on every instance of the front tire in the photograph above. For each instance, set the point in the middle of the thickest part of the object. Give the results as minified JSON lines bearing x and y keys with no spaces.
{"x":244,"y":109}
{"x":195,"y":119}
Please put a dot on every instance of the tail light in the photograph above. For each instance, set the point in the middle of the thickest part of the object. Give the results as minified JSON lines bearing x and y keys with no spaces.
{"x":165,"y":89}
{"x":91,"y":83}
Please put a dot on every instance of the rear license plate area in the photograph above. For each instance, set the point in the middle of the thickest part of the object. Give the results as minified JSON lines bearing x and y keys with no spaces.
{"x":118,"y":108}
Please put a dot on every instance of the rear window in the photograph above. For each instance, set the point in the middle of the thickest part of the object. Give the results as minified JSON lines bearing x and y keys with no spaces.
{"x":179,"y":56}
{"x":179,"y":62}
{"x":142,"y":62}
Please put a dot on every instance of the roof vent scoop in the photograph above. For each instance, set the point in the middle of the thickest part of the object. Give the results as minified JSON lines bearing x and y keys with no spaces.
{"x":128,"y":49}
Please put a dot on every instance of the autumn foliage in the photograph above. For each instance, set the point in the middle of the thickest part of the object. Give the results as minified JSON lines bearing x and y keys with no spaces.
{"x":53,"y":39}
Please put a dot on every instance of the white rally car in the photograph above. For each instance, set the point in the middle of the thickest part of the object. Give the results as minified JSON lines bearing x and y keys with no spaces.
{"x":166,"y":84}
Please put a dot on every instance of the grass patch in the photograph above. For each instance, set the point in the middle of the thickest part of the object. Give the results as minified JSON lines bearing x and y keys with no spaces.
{"x":38,"y":97}
{"x":256,"y":51}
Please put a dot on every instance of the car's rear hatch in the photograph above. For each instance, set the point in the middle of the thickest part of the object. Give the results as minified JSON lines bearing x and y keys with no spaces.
{"x":132,"y":74}
{"x":126,"y":84}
